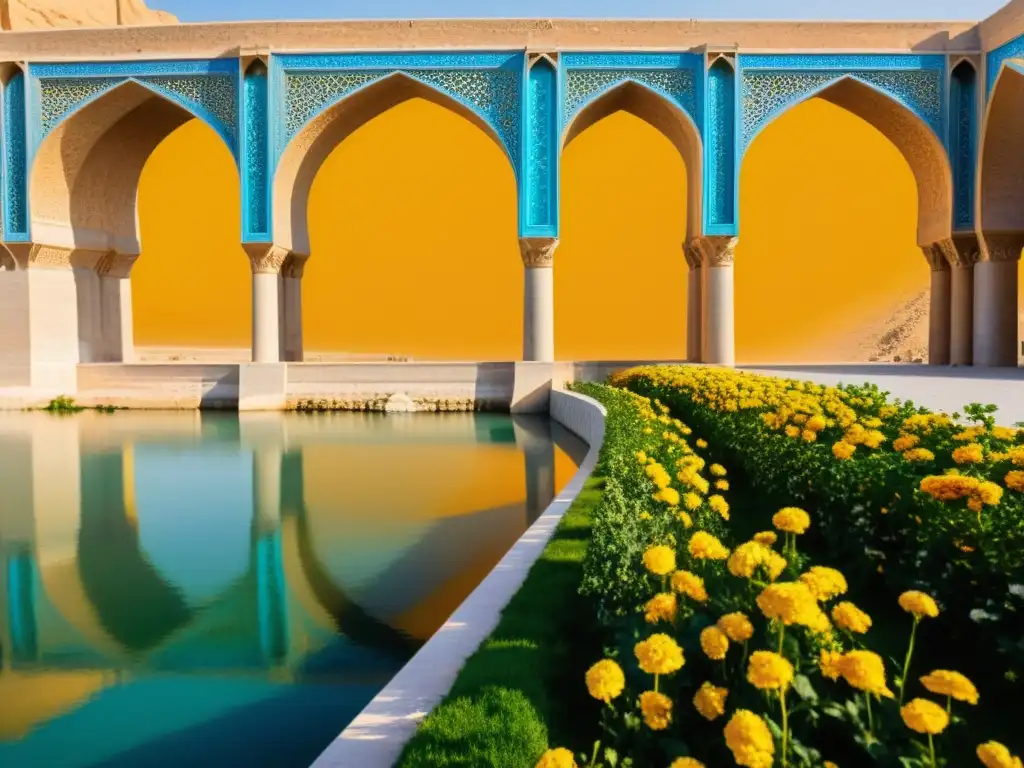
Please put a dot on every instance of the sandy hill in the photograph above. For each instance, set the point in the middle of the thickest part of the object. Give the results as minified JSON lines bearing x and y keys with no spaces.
{"x":17,"y":15}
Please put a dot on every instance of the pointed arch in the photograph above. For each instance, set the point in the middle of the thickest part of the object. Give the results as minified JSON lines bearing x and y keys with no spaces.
{"x":1001,"y":164}
{"x":84,"y":175}
{"x":668,"y":118}
{"x":909,"y":133}
{"x":304,"y":155}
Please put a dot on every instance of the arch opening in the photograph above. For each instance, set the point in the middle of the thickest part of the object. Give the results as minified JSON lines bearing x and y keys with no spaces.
{"x":399,"y":183}
{"x":313,"y":144}
{"x":631,"y":197}
{"x":829,"y":202}
{"x":95,"y":191}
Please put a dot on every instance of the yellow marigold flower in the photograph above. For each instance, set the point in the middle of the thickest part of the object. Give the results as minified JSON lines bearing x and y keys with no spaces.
{"x":714,"y":643}
{"x":691,"y":585}
{"x":702,"y":443}
{"x":790,"y":603}
{"x":874,"y":438}
{"x":710,"y":701}
{"x":749,"y":740}
{"x":924,"y":716}
{"x":659,"y":655}
{"x":919,"y":604}
{"x":905,"y":442}
{"x":661,"y":607}
{"x":668,"y":495}
{"x":641,"y":457}
{"x":968,"y":454}
{"x":816,"y":423}
{"x":656,"y":709}
{"x":809,"y":435}
{"x":768,"y":538}
{"x":830,"y":764}
{"x":719,"y":505}
{"x":1017,"y":456}
{"x":791,"y":520}
{"x":1015,"y":480}
{"x":989,"y":493}
{"x":865,"y":671}
{"x":829,"y":664}
{"x":557,"y":758}
{"x":718,"y":470}
{"x":745,"y":559}
{"x":769,"y":671}
{"x":605,"y":680}
{"x":945,"y":682}
{"x":686,"y":762}
{"x":824,"y":583}
{"x":919,"y":454}
{"x":851,"y":618}
{"x":792,"y":430}
{"x":1004,"y":433}
{"x":736,"y":626}
{"x":692,"y":500}
{"x":722,"y":485}
{"x":994,"y":755}
{"x":660,"y":560}
{"x":704,"y":546}
{"x":843,"y":450}
{"x":949,"y":487}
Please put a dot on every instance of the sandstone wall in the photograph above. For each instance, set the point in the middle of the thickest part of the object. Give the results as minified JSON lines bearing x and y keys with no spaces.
{"x":18,"y":15}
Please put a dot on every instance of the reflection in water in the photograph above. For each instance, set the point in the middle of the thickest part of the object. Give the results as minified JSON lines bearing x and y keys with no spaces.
{"x":231,"y":590}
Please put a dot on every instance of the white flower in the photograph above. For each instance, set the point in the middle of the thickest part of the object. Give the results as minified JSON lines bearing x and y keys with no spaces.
{"x":978,"y":616}
{"x":1017,"y":589}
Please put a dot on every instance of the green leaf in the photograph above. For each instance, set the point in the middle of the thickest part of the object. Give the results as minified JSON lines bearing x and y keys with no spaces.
{"x":804,"y":689}
{"x":611,"y":757}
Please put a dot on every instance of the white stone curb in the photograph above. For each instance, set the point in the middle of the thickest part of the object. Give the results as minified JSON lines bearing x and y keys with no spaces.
{"x":376,"y":737}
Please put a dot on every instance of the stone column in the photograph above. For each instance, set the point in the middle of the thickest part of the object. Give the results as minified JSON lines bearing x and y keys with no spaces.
{"x":291,"y":307}
{"x":538,"y":298}
{"x":116,"y":324}
{"x":266,"y":261}
{"x":961,"y":322}
{"x":694,"y":289}
{"x":718,"y":346}
{"x":995,"y":299}
{"x":938,"y":256}
{"x":40,"y":329}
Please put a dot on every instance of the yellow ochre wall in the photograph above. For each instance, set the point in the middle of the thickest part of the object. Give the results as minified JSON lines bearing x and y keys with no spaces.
{"x":413,"y":228}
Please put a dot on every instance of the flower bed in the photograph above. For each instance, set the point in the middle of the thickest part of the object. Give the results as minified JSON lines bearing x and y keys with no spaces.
{"x":726,"y":651}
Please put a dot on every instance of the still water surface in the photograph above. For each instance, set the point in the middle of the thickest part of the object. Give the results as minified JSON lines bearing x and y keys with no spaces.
{"x":186,"y":589}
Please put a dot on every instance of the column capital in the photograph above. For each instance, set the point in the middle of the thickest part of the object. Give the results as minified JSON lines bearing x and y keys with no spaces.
{"x":43,"y":256}
{"x":116,"y":264}
{"x":294,"y":264}
{"x":265,"y":258}
{"x":716,"y":250}
{"x":940,"y":255}
{"x":967,"y":249}
{"x":1001,"y":246}
{"x":692,"y":255}
{"x":538,"y":252}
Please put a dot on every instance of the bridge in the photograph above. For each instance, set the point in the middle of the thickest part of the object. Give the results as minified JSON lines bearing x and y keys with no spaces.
{"x":84,"y":108}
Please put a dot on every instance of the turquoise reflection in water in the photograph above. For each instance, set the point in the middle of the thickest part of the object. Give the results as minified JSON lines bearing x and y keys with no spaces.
{"x":216,"y":590}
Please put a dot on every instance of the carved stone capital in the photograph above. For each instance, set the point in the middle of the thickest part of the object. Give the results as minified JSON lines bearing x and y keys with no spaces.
{"x":1001,"y":246}
{"x":692,"y":256}
{"x":116,"y":264}
{"x":716,"y":250}
{"x":940,"y":254}
{"x":265,"y":258}
{"x":967,"y":249}
{"x":43,"y":256}
{"x":294,"y":264}
{"x":538,"y":252}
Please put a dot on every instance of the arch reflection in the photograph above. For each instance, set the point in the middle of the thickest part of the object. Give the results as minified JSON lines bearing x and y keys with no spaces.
{"x":263,"y":555}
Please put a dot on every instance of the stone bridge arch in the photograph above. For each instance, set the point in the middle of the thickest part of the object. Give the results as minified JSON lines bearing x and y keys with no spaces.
{"x":908,"y":131}
{"x":312,"y":142}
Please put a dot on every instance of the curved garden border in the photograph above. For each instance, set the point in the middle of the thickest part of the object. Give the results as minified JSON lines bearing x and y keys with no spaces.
{"x":376,"y":737}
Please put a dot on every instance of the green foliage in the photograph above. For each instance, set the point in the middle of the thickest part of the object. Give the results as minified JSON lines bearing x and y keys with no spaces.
{"x":63,"y":405}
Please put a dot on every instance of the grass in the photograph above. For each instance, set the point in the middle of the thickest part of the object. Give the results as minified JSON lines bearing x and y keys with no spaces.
{"x":523,"y":688}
